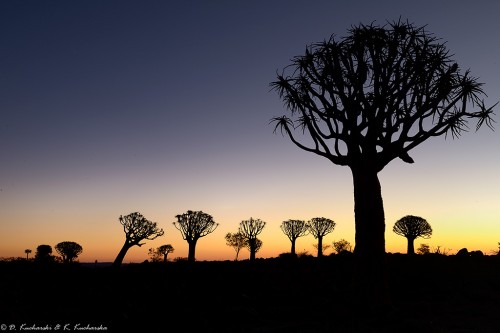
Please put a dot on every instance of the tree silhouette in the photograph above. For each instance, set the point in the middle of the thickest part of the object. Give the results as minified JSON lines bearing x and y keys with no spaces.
{"x":371,"y":97}
{"x":165,"y":250}
{"x":412,"y":227}
{"x":250,"y":229}
{"x":27,"y":251}
{"x":43,"y":253}
{"x":69,"y":251}
{"x":193,"y":225}
{"x":319,"y":228}
{"x":294,"y":229}
{"x":237,"y":241}
{"x":160,"y":253}
{"x":137,"y":228}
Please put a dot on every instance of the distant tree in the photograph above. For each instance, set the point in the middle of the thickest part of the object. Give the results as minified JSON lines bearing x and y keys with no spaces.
{"x":294,"y":229}
{"x":237,"y":241}
{"x":160,"y":253}
{"x":319,"y":228}
{"x":424,"y":249}
{"x":44,"y":253}
{"x":193,"y":225}
{"x":165,"y":250}
{"x":69,"y":251}
{"x":342,"y":246}
{"x":371,"y":97}
{"x":412,"y":227}
{"x":250,"y":229}
{"x":137,"y":228}
{"x":27,"y":251}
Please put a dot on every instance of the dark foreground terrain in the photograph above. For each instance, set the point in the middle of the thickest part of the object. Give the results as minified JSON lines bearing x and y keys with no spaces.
{"x":430,"y":293}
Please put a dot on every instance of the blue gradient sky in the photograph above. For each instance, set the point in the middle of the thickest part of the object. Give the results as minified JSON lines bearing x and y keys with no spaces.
{"x":111,"y":107}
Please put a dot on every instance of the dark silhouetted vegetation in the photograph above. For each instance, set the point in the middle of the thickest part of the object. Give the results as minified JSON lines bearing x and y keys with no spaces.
{"x":412,"y":227}
{"x":69,"y":251}
{"x":160,"y":253}
{"x":319,"y":227}
{"x":193,"y":225}
{"x":237,"y":241}
{"x":250,"y":229}
{"x":341,"y":246}
{"x":137,"y":228}
{"x":294,"y":229}
{"x":371,"y":97}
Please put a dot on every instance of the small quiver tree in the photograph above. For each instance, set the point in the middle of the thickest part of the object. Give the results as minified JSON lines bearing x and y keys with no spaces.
{"x":294,"y":229}
{"x":69,"y":251}
{"x":319,"y":227}
{"x":250,"y":229}
{"x":193,"y":225}
{"x":412,"y":227}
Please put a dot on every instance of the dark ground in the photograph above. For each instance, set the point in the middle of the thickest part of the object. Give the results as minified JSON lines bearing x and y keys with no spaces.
{"x":431,"y":293}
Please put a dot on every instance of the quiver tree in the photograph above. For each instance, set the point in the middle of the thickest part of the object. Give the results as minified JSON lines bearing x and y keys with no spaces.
{"x":294,"y":229}
{"x":366,"y":99}
{"x":137,"y":228}
{"x":412,"y":227}
{"x":68,"y":251}
{"x":319,"y":227}
{"x":160,"y":253}
{"x":27,"y":251}
{"x":250,"y":229}
{"x":237,"y":241}
{"x":193,"y":225}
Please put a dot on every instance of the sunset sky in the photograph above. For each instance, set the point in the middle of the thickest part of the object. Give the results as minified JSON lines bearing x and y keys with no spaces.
{"x":112,"y":107}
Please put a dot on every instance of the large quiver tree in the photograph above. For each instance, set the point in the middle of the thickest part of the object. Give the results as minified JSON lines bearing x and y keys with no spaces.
{"x":366,"y":99}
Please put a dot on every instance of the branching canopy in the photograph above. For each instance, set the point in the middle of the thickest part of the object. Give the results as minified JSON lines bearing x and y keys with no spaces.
{"x":69,"y":251}
{"x":195,"y":224}
{"x":320,"y":226}
{"x":251,"y":228}
{"x":294,"y":229}
{"x":376,"y":94}
{"x":138,"y":228}
{"x":412,"y":227}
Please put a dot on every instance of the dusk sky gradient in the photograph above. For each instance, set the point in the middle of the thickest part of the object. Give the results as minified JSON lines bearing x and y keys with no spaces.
{"x":111,"y":107}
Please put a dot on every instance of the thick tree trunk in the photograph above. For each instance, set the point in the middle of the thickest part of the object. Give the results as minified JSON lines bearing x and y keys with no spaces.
{"x":369,"y":275}
{"x":411,"y":247}
{"x":292,"y":250}
{"x":320,"y":246}
{"x":121,"y":255}
{"x":192,"y":250}
{"x":252,"y":249}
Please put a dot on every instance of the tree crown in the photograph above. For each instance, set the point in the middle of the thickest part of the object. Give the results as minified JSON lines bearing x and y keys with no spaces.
{"x":412,"y":227}
{"x":138,"y":228}
{"x":195,"y":224}
{"x":377,"y":93}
